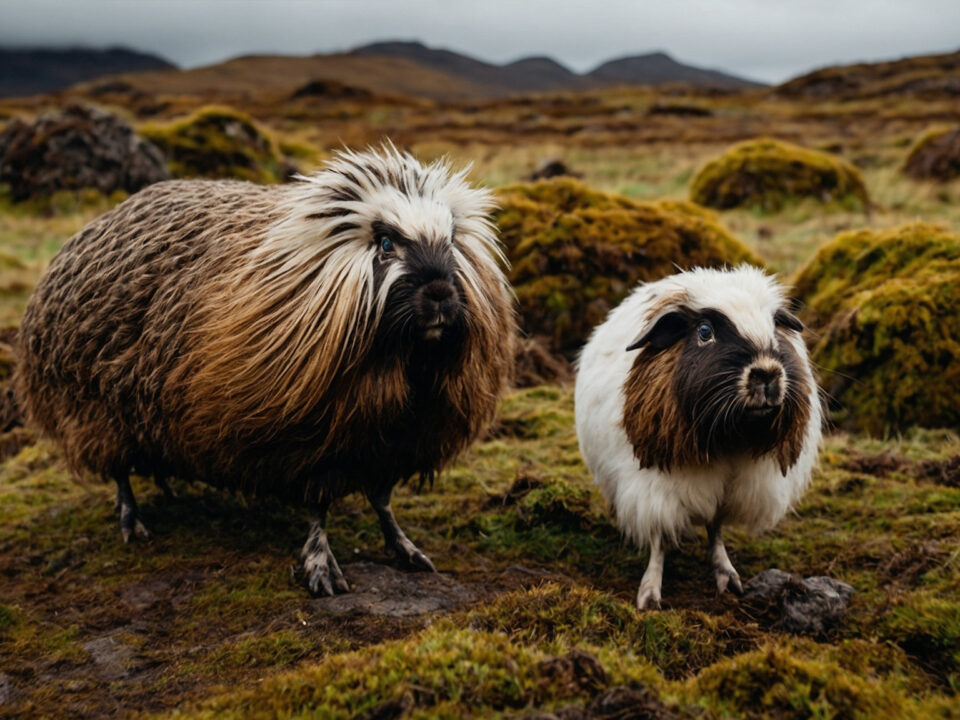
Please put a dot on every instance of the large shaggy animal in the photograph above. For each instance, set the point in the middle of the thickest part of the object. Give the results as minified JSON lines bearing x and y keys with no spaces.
{"x":338,"y":334}
{"x":696,"y":405}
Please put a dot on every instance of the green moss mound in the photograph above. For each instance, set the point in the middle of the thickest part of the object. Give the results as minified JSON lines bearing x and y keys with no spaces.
{"x":776,"y":683}
{"x":768,"y":173}
{"x":576,"y":252}
{"x":218,"y":142}
{"x":935,"y":156}
{"x":886,"y":306}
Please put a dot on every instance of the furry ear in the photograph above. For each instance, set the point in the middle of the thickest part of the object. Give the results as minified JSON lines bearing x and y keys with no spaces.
{"x":785,"y":319}
{"x":665,"y":332}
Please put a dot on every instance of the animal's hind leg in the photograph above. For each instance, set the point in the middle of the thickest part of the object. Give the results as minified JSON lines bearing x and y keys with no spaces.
{"x":726,"y":575}
{"x":318,"y":570}
{"x":163,"y":482}
{"x":648,"y":595}
{"x":130,"y":524}
{"x":395,"y":539}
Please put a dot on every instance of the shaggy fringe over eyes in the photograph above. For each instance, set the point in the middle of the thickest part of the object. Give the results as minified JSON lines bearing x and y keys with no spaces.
{"x":666,"y":435}
{"x":298,"y":308}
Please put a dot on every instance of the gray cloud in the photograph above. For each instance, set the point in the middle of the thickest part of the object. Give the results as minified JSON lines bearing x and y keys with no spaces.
{"x":762,"y":39}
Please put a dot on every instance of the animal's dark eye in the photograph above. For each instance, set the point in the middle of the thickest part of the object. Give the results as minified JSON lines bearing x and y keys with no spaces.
{"x":705,"y":332}
{"x":386,"y":243}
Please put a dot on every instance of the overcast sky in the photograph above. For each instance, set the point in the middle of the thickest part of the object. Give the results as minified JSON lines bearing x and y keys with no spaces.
{"x":768,"y":40}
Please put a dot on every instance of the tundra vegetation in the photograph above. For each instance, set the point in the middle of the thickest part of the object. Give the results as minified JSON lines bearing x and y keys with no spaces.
{"x":768,"y":173}
{"x":533,"y":611}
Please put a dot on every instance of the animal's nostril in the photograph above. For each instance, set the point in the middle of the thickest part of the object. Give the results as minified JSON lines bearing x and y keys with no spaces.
{"x":771,"y":391}
{"x":766,"y":381}
{"x":438,"y":291}
{"x":763,"y":376}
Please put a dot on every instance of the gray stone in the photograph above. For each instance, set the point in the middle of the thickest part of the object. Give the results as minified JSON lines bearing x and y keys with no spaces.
{"x":114,"y":659}
{"x":385,"y":591}
{"x":6,"y":689}
{"x":80,"y":147}
{"x":804,"y":607}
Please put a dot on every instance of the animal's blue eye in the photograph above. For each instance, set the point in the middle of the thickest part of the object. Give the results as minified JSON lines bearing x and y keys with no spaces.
{"x":705,"y":332}
{"x":386,"y":243}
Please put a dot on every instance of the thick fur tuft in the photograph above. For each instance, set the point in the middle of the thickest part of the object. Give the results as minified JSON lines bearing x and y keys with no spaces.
{"x":228,"y":332}
{"x":667,"y":427}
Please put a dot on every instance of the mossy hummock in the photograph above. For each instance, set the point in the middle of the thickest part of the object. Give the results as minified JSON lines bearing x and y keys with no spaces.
{"x":935,"y":155}
{"x":576,"y":252}
{"x":218,"y":142}
{"x":768,"y":173}
{"x":886,"y":307}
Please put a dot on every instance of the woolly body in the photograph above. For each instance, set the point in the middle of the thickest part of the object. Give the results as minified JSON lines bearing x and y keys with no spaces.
{"x":259,"y":338}
{"x":663,"y":500}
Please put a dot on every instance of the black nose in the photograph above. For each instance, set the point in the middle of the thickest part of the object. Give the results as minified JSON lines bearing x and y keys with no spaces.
{"x":765,"y":383}
{"x":438,"y":302}
{"x":438,"y":291}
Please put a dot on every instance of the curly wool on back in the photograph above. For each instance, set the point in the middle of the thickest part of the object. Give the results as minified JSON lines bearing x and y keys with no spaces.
{"x":258,"y":338}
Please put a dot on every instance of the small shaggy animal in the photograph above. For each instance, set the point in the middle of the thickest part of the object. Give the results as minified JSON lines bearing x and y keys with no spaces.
{"x":306,"y":341}
{"x":696,"y":405}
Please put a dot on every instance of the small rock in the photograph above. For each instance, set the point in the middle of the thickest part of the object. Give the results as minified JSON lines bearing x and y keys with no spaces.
{"x":576,"y":671}
{"x":143,"y":596}
{"x":114,"y":659}
{"x":6,"y":689}
{"x":385,"y":591}
{"x":803,"y":607}
{"x":553,"y":167}
{"x":80,"y":147}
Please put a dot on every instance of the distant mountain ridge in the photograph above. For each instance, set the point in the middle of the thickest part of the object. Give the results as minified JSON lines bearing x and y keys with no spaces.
{"x":31,"y":71}
{"x":544,"y":74}
{"x":658,"y":68}
{"x":386,"y":68}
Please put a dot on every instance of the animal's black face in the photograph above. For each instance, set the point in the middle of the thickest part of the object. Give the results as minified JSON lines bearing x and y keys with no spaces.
{"x":736,"y":394}
{"x":424,"y":304}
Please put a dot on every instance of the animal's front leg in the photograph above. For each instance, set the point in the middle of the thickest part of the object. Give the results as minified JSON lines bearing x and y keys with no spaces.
{"x":726,"y":575}
{"x":648,"y":596}
{"x":130,"y":524}
{"x":397,"y":543}
{"x":318,"y":570}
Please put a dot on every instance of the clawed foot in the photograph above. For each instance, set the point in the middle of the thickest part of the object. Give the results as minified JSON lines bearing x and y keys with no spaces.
{"x":726,"y":575}
{"x":133,"y":530}
{"x":727,"y":579}
{"x":648,"y":596}
{"x":318,"y":570}
{"x":395,"y":540}
{"x":130,"y":524}
{"x":410,"y":555}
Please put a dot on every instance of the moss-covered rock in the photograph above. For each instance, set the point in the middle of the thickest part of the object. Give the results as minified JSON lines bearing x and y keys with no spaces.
{"x":776,"y":683}
{"x":576,"y":252}
{"x":76,"y":149}
{"x":886,"y":307}
{"x":767,"y":173}
{"x":218,"y":142}
{"x":935,"y":156}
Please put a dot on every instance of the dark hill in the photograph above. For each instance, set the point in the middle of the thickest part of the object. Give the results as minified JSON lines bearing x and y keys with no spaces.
{"x":526,"y":75}
{"x":546,"y":74}
{"x":658,"y":68}
{"x":41,"y":70}
{"x":540,"y":74}
{"x":924,"y":76}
